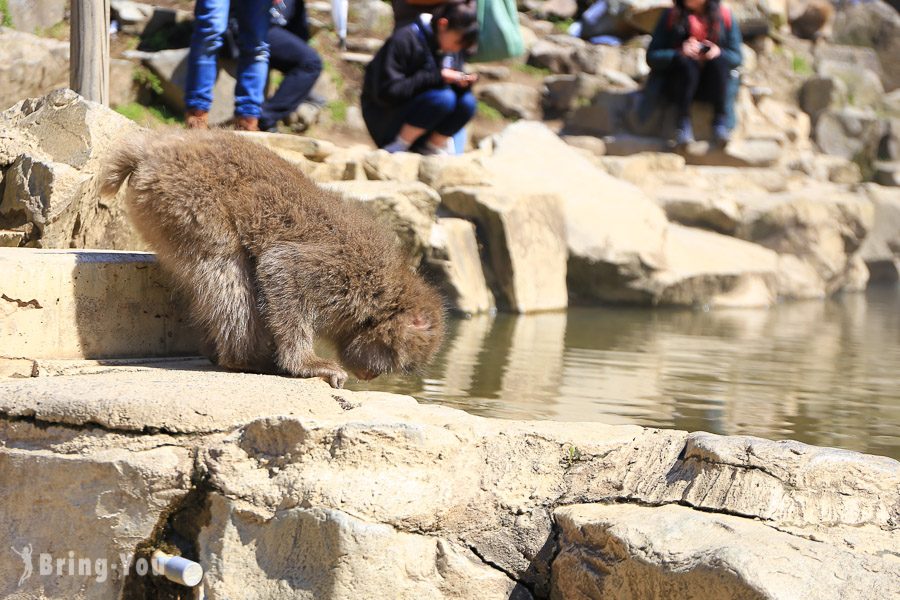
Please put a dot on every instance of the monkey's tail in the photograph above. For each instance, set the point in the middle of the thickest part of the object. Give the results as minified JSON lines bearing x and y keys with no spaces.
{"x":122,"y":163}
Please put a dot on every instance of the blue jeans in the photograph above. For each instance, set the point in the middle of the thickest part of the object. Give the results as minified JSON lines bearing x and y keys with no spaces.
{"x":440,"y":110}
{"x":210,"y":22}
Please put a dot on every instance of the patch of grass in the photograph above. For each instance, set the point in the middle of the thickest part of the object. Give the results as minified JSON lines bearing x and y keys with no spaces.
{"x":489,"y":112}
{"x":146,"y":78}
{"x":59,"y":31}
{"x":5,"y":18}
{"x":337,"y":109}
{"x":148,"y":115}
{"x":800,"y":66}
{"x":336,"y":77}
{"x":531,"y":70}
{"x":562,"y":26}
{"x":573,"y":455}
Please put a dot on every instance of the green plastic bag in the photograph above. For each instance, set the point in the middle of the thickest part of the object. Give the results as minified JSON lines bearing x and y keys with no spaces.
{"x":499,"y":36}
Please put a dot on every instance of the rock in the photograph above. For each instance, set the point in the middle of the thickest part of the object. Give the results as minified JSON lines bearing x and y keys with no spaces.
{"x":376,"y":17}
{"x":525,"y":236}
{"x":639,"y":167}
{"x":615,"y":232}
{"x":821,"y":225}
{"x":707,"y":269}
{"x":145,"y":20}
{"x":292,"y":146}
{"x":558,"y":10}
{"x":873,"y":25}
{"x":746,"y":152}
{"x":627,"y":551}
{"x":400,"y":166}
{"x":205,"y":461}
{"x":32,"y":66}
{"x":694,"y":208}
{"x":513,"y":100}
{"x":887,"y":173}
{"x":563,"y":93}
{"x":122,"y":87}
{"x":456,"y":258}
{"x":557,"y":58}
{"x":881,"y":248}
{"x":594,"y":145}
{"x":33,"y":16}
{"x":857,"y":56}
{"x":364,"y":45}
{"x":810,"y":19}
{"x":819,"y":94}
{"x":407,"y":208}
{"x":441,"y":172}
{"x":863,"y":85}
{"x":76,"y":304}
{"x":356,"y":58}
{"x":171,"y":68}
{"x":605,"y":115}
{"x":799,"y":280}
{"x":54,"y":148}
{"x":850,"y":133}
{"x":490,"y":71}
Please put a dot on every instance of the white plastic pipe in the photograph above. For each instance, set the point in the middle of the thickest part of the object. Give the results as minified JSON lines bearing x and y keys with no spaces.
{"x":339,"y":10}
{"x":175,"y":568}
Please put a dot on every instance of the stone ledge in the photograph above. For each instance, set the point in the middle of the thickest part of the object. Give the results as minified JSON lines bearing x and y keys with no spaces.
{"x":88,"y":304}
{"x":268,"y":474}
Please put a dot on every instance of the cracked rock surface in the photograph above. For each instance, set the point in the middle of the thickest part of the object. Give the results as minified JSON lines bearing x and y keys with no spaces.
{"x":286,"y":488}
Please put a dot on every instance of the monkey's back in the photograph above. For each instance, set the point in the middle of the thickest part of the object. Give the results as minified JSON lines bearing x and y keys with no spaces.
{"x":204,"y":192}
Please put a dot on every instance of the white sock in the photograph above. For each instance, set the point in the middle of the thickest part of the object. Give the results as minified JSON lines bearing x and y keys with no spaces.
{"x":434,"y":150}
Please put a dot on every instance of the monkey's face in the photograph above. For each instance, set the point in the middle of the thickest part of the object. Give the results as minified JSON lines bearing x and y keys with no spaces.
{"x":403,"y":343}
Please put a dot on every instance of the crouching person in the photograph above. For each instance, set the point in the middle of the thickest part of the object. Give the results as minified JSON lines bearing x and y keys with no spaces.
{"x":416,"y":95}
{"x":693,"y":54}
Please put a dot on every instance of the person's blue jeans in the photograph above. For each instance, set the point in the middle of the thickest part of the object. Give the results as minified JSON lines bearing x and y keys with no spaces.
{"x":301,"y":66}
{"x":443,"y":110}
{"x":210,"y":22}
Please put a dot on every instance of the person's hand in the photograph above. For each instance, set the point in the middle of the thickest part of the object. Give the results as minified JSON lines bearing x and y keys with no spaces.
{"x":453,"y":77}
{"x":713,"y":52}
{"x":691,"y":48}
{"x":467,"y":80}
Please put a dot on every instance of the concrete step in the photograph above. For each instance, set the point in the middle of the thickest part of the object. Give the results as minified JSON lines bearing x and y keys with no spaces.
{"x":88,"y":304}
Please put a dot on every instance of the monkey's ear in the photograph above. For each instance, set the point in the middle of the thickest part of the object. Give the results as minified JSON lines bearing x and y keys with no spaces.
{"x":420,"y":321}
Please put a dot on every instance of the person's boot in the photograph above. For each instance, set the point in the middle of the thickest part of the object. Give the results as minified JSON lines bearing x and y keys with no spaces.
{"x":243,"y":123}
{"x":721,"y":133}
{"x":684,"y":134}
{"x":196,"y":119}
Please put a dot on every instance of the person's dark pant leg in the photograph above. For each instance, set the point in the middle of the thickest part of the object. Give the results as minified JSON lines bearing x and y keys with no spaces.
{"x":301,"y":67}
{"x":430,"y":108}
{"x":682,"y":82}
{"x":463,"y":111}
{"x":713,"y":84}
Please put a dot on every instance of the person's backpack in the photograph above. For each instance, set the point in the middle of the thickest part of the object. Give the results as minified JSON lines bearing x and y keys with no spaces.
{"x":499,"y":36}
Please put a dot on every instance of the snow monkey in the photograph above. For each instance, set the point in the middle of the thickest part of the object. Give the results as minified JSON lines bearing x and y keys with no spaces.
{"x":270,"y":261}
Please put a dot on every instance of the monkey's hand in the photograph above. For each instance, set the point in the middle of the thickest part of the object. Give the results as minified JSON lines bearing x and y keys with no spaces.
{"x":327,"y":370}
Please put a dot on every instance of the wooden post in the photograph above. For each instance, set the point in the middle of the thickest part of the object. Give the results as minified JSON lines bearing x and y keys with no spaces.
{"x":89,"y":50}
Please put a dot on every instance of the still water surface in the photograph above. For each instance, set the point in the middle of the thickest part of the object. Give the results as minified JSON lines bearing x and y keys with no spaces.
{"x":822,"y":372}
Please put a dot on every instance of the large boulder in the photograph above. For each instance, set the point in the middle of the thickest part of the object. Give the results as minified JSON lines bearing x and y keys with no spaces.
{"x":525,"y":236}
{"x":881,"y":248}
{"x":456,"y":259}
{"x":33,"y":16}
{"x":822,"y":226}
{"x":615,"y":233}
{"x":295,"y":490}
{"x":512,"y":100}
{"x":52,"y":153}
{"x":851,"y":133}
{"x":873,"y":25}
{"x":31,"y":66}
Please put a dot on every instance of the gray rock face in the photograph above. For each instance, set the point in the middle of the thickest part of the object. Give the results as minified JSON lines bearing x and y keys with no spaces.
{"x":292,"y":489}
{"x":53,"y":150}
{"x":31,"y":66}
{"x":881,"y":248}
{"x":873,"y":25}
{"x":513,"y":100}
{"x":171,"y":68}
{"x":31,"y":16}
{"x":455,"y":255}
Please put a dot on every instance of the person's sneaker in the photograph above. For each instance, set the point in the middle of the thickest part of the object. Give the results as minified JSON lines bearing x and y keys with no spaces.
{"x":684,"y":134}
{"x":721,"y":133}
{"x":196,"y":119}
{"x":432,"y":150}
{"x":398,"y":145}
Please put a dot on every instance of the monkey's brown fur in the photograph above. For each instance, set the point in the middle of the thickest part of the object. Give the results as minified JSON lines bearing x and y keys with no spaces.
{"x":271,"y":261}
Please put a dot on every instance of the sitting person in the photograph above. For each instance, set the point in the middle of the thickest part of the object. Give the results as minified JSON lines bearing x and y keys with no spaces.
{"x":415,"y":93}
{"x":695,"y":47}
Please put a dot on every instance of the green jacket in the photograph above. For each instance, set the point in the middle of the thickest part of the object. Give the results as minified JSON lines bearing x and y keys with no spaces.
{"x":665,"y":45}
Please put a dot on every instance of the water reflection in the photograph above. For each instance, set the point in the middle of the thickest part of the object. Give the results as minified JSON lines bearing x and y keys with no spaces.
{"x":821,"y":372}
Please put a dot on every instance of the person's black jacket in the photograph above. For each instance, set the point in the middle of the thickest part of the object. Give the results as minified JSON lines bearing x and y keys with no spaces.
{"x":406,"y":65}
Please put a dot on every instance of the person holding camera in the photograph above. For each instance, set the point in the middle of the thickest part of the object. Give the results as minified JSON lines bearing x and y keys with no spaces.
{"x":416,"y":95}
{"x":695,"y":49}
